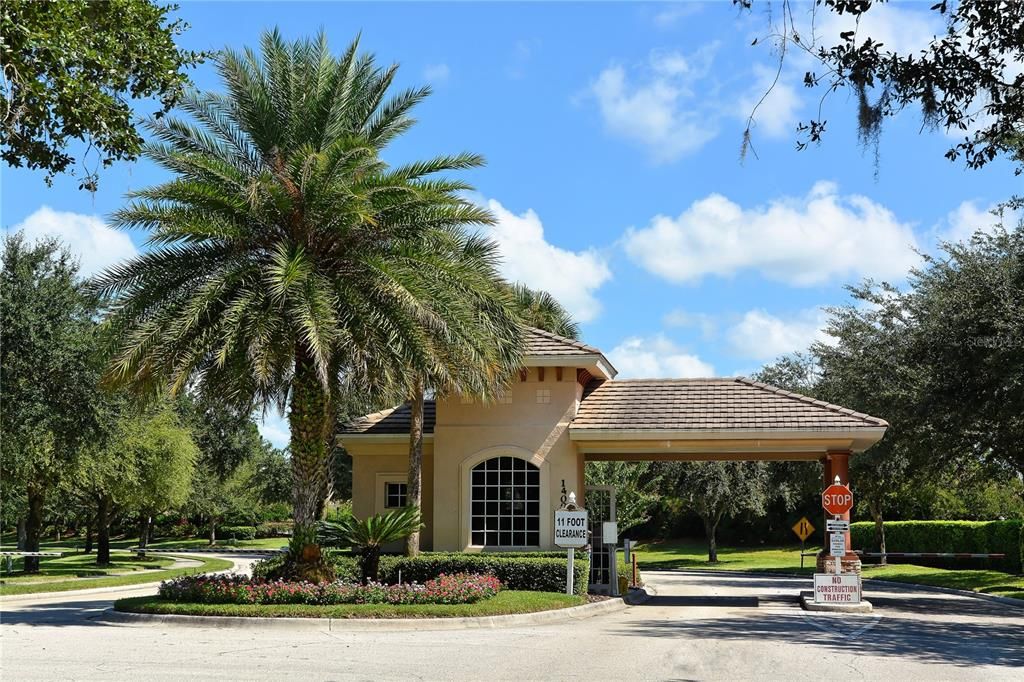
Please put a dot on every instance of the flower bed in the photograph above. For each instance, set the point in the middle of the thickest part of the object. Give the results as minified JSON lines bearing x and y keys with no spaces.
{"x":460,"y":588}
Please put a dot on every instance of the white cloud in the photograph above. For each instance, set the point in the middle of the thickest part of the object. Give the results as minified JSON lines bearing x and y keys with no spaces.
{"x":671,"y":15}
{"x":274,"y":427}
{"x":572,"y":277}
{"x":656,"y":357}
{"x":760,"y":335}
{"x":902,"y":29}
{"x":967,"y":218}
{"x":659,"y":108}
{"x":86,"y":236}
{"x":707,"y":324}
{"x":777,"y":115}
{"x":800,"y":241}
{"x":437,"y":73}
{"x":522,"y":54}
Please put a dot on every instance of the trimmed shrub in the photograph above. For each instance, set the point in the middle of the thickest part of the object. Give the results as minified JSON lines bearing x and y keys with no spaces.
{"x":976,"y":537}
{"x":273,"y":567}
{"x":525,"y":571}
{"x":234,"y":589}
{"x":274,"y":529}
{"x":236,"y":533}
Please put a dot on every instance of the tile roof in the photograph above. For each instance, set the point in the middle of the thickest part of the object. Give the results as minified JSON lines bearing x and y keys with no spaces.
{"x":709,"y":405}
{"x":395,"y":420}
{"x":670,"y":405}
{"x":540,"y":342}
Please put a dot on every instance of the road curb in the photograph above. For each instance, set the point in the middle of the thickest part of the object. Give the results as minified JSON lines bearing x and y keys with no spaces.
{"x":381,"y":624}
{"x":639,"y":595}
{"x":1009,"y":601}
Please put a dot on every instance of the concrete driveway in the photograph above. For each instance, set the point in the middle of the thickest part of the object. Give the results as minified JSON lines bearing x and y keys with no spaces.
{"x":700,"y":626}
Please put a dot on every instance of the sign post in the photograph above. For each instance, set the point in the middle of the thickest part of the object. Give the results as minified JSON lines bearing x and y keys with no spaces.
{"x":803,"y":530}
{"x":837,"y":500}
{"x":570,"y":533}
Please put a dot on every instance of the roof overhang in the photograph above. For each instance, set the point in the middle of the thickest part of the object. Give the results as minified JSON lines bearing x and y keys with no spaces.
{"x":723,"y":443}
{"x":379,"y":437}
{"x":595,"y":363}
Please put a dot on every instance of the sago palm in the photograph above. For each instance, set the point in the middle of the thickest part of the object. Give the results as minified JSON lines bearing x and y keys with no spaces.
{"x":368,"y":536}
{"x":285,"y":258}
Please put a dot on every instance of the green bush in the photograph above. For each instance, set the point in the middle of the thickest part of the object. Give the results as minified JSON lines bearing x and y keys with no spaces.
{"x":976,"y":537}
{"x":274,"y":529}
{"x":272,"y":568}
{"x":275,"y":512}
{"x":236,"y":533}
{"x":533,"y":571}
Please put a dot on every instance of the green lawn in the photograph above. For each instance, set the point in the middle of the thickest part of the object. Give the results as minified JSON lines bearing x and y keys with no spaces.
{"x":691,"y":554}
{"x":119,"y":576}
{"x":53,"y":569}
{"x":508,"y":601}
{"x":74,"y":544}
{"x":989,"y":582}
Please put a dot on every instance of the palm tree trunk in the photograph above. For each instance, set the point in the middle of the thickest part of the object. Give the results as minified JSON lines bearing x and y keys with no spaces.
{"x":414,"y":489}
{"x":310,"y":421}
{"x":34,"y":526}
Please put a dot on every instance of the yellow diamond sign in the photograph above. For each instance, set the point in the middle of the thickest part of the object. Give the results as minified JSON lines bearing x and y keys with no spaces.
{"x":803,"y":529}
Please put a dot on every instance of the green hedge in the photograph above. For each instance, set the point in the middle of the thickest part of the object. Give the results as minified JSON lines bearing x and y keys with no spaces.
{"x":533,"y":571}
{"x":344,"y":563}
{"x":274,"y":529}
{"x":978,"y":537}
{"x":236,"y":533}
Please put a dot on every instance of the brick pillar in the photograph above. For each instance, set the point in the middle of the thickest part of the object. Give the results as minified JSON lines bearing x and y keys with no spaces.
{"x":837,"y":464}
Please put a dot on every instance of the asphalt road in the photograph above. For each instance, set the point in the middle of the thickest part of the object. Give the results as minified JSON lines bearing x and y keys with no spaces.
{"x":700,"y":626}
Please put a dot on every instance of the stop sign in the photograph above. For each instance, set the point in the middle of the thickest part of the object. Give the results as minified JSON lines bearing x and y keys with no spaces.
{"x":837,"y":499}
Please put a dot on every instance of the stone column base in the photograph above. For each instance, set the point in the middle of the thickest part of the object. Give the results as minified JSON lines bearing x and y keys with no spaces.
{"x":850,"y":563}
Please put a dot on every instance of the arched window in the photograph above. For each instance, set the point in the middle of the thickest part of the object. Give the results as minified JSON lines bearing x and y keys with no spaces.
{"x":506,"y":503}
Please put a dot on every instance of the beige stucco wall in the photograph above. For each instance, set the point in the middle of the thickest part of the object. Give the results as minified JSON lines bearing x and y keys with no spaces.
{"x":374,"y":464}
{"x":467,"y":434}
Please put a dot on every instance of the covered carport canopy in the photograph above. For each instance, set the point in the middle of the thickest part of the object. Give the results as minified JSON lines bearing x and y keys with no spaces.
{"x":714,"y":419}
{"x":721,"y":419}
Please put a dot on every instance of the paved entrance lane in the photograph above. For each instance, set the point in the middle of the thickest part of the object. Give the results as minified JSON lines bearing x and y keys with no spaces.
{"x":916,"y":635}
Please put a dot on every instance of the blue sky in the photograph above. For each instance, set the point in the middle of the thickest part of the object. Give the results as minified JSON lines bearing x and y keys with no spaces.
{"x":612,"y":133}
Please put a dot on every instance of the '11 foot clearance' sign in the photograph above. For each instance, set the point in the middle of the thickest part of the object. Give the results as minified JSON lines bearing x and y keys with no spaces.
{"x":830,"y":588}
{"x":570,"y":528}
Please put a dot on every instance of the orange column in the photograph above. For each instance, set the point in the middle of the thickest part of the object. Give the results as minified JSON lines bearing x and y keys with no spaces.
{"x":840,"y":462}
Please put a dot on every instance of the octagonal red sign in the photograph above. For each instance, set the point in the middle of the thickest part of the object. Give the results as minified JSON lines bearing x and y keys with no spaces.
{"x":837,"y":499}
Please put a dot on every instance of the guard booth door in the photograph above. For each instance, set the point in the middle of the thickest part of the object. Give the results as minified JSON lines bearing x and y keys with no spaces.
{"x":600,"y":503}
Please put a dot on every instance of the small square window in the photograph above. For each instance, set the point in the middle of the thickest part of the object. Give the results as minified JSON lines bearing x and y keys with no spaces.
{"x":395,"y":495}
{"x":543,"y":396}
{"x":505,"y":398}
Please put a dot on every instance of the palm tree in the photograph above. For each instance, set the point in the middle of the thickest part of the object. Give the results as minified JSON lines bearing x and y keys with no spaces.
{"x":542,"y":310}
{"x":369,"y":536}
{"x":491,"y":320}
{"x":287,"y":260}
{"x":534,"y":308}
